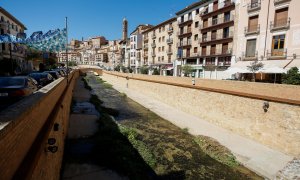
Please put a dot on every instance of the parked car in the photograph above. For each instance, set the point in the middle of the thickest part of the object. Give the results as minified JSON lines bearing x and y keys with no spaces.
{"x":12,"y":89}
{"x":42,"y":78}
{"x":61,"y":72}
{"x":54,"y":74}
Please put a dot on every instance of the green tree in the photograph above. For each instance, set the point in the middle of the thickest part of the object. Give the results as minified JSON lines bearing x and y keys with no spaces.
{"x":187,"y":70}
{"x":292,"y":77}
{"x":144,"y":70}
{"x":254,"y":67}
{"x":155,"y":71}
{"x":117,"y":68}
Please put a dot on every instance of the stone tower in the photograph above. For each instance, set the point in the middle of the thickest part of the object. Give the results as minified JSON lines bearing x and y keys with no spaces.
{"x":125,"y":29}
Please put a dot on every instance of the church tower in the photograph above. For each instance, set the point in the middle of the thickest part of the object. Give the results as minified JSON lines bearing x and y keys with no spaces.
{"x":125,"y":29}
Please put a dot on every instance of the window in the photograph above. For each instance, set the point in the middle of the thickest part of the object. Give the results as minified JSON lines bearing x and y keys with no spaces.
{"x":205,"y":23}
{"x":196,"y":37}
{"x":163,"y":28}
{"x":162,"y":58}
{"x":281,"y":17}
{"x":169,"y":59}
{"x":196,"y":24}
{"x":214,"y":20}
{"x":158,"y":58}
{"x":195,"y":49}
{"x":159,"y":30}
{"x":225,"y":48}
{"x":226,"y":16}
{"x":213,"y":49}
{"x":159,"y":39}
{"x":159,"y":49}
{"x":251,"y":48}
{"x":163,"y":48}
{"x":215,"y":6}
{"x":2,"y":18}
{"x":2,"y":31}
{"x":278,"y":45}
{"x":197,"y":11}
{"x":189,"y":28}
{"x":214,"y":35}
{"x":163,"y":39}
{"x":252,"y":24}
{"x":190,"y":16}
{"x":226,"y":32}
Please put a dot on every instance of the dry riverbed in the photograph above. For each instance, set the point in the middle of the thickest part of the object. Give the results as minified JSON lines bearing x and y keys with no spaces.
{"x":139,"y":144}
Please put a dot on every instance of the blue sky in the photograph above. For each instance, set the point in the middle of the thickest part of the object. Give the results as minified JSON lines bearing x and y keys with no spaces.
{"x":88,"y":18}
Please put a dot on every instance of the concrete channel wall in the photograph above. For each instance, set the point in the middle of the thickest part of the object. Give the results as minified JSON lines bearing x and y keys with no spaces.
{"x":235,"y":106}
{"x":26,"y":127}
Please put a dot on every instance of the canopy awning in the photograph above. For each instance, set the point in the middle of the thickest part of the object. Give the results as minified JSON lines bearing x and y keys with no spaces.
{"x":272,"y":70}
{"x":294,"y":63}
{"x":234,"y":70}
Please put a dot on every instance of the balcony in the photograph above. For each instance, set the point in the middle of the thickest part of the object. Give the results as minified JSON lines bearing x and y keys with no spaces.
{"x":252,"y":30}
{"x":153,"y":36}
{"x":170,"y":29}
{"x":254,"y":6}
{"x":249,"y":57}
{"x":282,"y":24}
{"x":185,"y":21}
{"x":278,"y":2}
{"x":153,"y":45}
{"x":170,"y":41}
{"x":153,"y":54}
{"x":218,"y":23}
{"x":196,"y":54}
{"x":145,"y":55}
{"x":216,"y":39}
{"x":222,"y":8}
{"x":169,"y":52}
{"x":184,"y":33}
{"x":217,"y":53}
{"x":275,"y":54}
{"x":184,"y":44}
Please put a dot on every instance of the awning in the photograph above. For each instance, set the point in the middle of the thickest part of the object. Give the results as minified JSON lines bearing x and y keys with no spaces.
{"x":294,"y":63}
{"x":234,"y":70}
{"x":272,"y":70}
{"x":267,"y":64}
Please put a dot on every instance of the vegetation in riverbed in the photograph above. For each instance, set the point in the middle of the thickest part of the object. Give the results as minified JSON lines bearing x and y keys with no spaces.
{"x":215,"y":150}
{"x":143,"y":144}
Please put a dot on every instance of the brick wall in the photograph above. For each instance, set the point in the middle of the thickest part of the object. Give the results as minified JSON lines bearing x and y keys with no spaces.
{"x":25,"y":128}
{"x":224,"y":103}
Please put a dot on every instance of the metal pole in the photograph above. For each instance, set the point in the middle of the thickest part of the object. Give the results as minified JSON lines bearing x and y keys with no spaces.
{"x":67,"y":50}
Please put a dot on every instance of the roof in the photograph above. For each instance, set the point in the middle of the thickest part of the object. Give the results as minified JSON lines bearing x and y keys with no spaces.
{"x":143,"y":27}
{"x":161,"y":24}
{"x":6,"y":13}
{"x":189,"y":7}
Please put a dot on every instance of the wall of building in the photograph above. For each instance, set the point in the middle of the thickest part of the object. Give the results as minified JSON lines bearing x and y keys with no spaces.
{"x":26,"y":127}
{"x":236,"y":106}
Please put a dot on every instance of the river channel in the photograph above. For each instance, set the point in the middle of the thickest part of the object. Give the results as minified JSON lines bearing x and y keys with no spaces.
{"x":138,"y":144}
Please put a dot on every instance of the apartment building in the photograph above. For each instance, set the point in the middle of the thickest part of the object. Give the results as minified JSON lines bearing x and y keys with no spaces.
{"x":159,"y":47}
{"x":72,"y":57}
{"x":269,"y":31}
{"x":136,"y":43}
{"x":11,"y":25}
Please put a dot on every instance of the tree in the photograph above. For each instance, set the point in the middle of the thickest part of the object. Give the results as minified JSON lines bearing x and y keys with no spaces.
{"x":254,"y":67}
{"x":117,"y":68}
{"x":155,"y":71}
{"x":187,"y":69}
{"x":144,"y":70}
{"x":292,"y":77}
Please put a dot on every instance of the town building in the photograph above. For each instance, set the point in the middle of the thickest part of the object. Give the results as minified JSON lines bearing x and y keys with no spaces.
{"x":159,"y":49}
{"x":136,"y":45}
{"x":269,"y":32}
{"x":205,"y":34}
{"x":11,"y":25}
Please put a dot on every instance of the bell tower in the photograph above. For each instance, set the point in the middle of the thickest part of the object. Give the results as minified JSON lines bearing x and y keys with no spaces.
{"x":125,"y":29}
